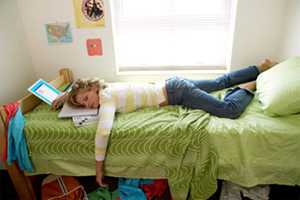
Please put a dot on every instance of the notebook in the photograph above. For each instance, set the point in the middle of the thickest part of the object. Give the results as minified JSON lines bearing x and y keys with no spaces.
{"x":71,"y":111}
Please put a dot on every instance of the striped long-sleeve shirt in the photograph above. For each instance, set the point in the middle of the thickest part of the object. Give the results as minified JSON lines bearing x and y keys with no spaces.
{"x":122,"y":97}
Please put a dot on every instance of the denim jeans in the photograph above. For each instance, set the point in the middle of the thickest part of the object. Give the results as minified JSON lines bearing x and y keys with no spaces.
{"x":195,"y":93}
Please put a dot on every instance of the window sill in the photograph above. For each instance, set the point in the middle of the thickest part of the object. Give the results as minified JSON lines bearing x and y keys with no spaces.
{"x":172,"y":70}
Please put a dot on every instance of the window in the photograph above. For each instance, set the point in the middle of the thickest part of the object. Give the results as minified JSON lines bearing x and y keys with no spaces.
{"x":172,"y":34}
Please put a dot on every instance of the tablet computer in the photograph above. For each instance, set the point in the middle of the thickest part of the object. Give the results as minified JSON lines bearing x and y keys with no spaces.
{"x":44,"y":91}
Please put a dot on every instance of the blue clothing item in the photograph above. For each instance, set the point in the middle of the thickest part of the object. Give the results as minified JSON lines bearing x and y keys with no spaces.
{"x":17,"y":146}
{"x":194,"y":93}
{"x":129,"y":188}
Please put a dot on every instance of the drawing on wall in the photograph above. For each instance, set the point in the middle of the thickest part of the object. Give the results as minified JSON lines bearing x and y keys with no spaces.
{"x":89,"y":13}
{"x":59,"y":33}
{"x":94,"y":47}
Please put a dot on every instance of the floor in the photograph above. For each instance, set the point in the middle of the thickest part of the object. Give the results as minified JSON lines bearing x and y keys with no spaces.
{"x":8,"y":193}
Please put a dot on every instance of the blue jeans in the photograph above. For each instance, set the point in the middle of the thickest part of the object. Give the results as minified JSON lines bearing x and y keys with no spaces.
{"x":195,"y":93}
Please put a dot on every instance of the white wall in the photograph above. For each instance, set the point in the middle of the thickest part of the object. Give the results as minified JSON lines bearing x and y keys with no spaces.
{"x":291,"y":39}
{"x":258,"y":32}
{"x":47,"y":59}
{"x":16,"y":72}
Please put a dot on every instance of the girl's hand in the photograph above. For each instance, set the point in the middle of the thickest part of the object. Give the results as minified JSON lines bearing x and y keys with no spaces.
{"x":100,"y":174}
{"x":59,"y":101}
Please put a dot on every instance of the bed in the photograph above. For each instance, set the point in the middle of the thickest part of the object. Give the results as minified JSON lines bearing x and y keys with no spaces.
{"x":254,"y":149}
{"x":151,"y":143}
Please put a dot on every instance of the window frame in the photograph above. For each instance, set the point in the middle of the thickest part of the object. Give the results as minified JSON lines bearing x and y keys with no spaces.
{"x":170,"y":69}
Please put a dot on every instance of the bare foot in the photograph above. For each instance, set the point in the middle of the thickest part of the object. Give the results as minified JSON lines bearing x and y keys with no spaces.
{"x":266,"y":64}
{"x":249,"y":86}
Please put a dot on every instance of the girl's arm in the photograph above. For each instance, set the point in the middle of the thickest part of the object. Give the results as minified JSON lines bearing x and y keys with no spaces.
{"x":99,"y":173}
{"x":59,"y":101}
{"x":107,"y":113}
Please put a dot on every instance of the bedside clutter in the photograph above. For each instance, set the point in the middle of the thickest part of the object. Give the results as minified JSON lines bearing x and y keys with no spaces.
{"x":7,"y":191}
{"x":277,"y":192}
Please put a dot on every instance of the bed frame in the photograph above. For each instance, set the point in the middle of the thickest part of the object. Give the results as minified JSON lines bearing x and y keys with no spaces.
{"x":21,"y":182}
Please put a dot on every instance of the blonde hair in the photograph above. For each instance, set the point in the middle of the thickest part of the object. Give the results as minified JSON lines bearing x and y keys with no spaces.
{"x":81,"y":85}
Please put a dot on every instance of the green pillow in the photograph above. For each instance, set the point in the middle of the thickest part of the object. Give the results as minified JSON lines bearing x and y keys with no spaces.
{"x":278,"y":88}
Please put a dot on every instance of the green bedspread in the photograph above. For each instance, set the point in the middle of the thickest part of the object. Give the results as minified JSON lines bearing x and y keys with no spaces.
{"x":171,"y":142}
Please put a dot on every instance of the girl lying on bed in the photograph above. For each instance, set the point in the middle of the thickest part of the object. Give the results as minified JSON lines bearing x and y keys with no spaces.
{"x":127,"y":97}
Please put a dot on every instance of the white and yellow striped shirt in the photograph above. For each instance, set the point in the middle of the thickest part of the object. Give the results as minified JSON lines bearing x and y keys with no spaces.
{"x":122,"y":97}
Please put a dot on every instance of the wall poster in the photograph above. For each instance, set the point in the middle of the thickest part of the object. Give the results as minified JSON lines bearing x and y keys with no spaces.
{"x":89,"y":13}
{"x":94,"y":47}
{"x":58,"y":33}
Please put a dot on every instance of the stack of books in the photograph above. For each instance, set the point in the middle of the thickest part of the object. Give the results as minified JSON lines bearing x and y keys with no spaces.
{"x":80,"y":116}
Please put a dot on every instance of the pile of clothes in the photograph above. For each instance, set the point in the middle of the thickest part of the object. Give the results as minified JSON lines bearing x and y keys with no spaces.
{"x":232,"y":191}
{"x":15,"y":146}
{"x":134,"y":189}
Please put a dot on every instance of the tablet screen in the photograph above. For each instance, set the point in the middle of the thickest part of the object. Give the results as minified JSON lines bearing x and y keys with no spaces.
{"x":44,"y":91}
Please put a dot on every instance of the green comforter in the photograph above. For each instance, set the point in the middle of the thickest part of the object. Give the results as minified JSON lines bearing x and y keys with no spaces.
{"x":257,"y":149}
{"x":175,"y":143}
{"x":170,"y":142}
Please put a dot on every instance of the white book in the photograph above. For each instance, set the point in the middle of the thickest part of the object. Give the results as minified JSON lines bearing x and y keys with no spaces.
{"x":71,"y":111}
